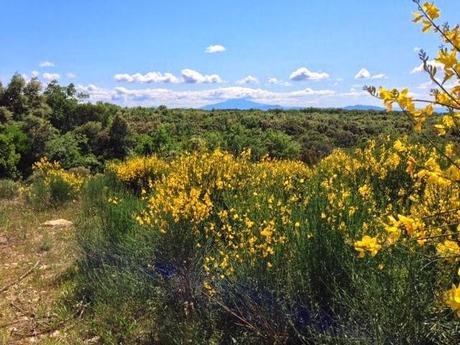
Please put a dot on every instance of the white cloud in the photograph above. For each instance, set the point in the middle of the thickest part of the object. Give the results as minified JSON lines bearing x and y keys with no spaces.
{"x":70,"y":75}
{"x":425,"y":86}
{"x":96,"y":93}
{"x":150,"y":77}
{"x":420,"y":69}
{"x":355,"y":93}
{"x":198,"y":98}
{"x":187,"y":76}
{"x":365,"y":74}
{"x":35,"y":74}
{"x":303,"y":73}
{"x":248,"y":80}
{"x":379,"y":76}
{"x":47,"y":64}
{"x":276,"y":81}
{"x":50,"y":76}
{"x":193,"y":77}
{"x":215,"y":48}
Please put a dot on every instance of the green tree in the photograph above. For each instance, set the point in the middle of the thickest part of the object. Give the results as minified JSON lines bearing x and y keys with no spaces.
{"x":39,"y":131}
{"x":14,"y":98}
{"x":32,"y":92}
{"x":62,"y":102}
{"x":22,"y":145}
{"x":8,"y":157}
{"x":119,"y":137}
{"x":281,"y":145}
{"x":66,"y":150}
{"x":5,"y":115}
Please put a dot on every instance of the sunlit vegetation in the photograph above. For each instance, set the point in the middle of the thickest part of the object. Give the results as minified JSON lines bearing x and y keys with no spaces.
{"x":230,"y":227}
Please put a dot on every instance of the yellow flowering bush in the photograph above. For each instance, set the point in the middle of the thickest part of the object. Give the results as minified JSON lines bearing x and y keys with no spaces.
{"x":435,"y":216}
{"x":357,"y":217}
{"x":52,"y":185}
{"x":49,"y":170}
{"x":138,"y":171}
{"x":249,"y":216}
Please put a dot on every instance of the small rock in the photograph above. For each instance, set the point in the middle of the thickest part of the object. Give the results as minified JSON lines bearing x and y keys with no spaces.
{"x":55,"y":334}
{"x":58,"y":223}
{"x":3,"y":240}
{"x":93,"y":340}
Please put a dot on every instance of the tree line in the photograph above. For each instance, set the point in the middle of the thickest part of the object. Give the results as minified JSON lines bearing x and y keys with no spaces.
{"x":60,"y":123}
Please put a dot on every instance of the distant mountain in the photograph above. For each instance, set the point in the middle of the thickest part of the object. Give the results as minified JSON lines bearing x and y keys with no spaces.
{"x":241,"y":104}
{"x":364,"y":107}
{"x":246,"y":104}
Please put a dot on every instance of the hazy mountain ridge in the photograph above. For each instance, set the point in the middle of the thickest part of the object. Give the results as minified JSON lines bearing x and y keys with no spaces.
{"x":246,"y":104}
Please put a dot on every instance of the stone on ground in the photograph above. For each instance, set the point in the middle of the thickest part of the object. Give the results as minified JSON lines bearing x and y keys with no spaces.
{"x":58,"y":223}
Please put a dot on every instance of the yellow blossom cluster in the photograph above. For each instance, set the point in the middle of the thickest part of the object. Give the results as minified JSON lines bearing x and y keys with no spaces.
{"x":51,"y":170}
{"x":452,"y":298}
{"x":367,"y":244}
{"x":138,"y":169}
{"x":434,"y":214}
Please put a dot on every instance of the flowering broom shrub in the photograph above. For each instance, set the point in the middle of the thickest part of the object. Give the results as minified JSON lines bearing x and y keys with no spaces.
{"x":433,"y":219}
{"x":293,"y":253}
{"x":52,"y":185}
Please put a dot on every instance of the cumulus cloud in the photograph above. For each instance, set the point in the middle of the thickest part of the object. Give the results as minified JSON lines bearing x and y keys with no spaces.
{"x":150,"y":77}
{"x":433,"y":63}
{"x":276,"y":81}
{"x":193,"y":77}
{"x":198,"y":98}
{"x":365,"y":74}
{"x":303,"y":73}
{"x":248,"y":80}
{"x":70,"y":75}
{"x":187,"y":76}
{"x":47,"y":64}
{"x":50,"y":76}
{"x":215,"y":48}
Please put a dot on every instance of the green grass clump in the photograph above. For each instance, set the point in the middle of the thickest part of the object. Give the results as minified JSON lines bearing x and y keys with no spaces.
{"x":8,"y":189}
{"x":50,"y":194}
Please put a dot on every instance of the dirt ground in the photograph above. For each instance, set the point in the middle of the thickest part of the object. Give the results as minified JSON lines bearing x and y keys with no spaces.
{"x":35,"y":261}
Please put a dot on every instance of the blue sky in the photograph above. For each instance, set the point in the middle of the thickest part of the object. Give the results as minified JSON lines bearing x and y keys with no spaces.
{"x":148,"y":52}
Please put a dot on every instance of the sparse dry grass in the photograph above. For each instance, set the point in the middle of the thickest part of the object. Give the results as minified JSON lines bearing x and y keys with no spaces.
{"x":29,"y":310}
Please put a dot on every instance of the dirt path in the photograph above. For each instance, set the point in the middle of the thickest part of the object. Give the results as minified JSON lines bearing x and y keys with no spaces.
{"x":33,"y":260}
